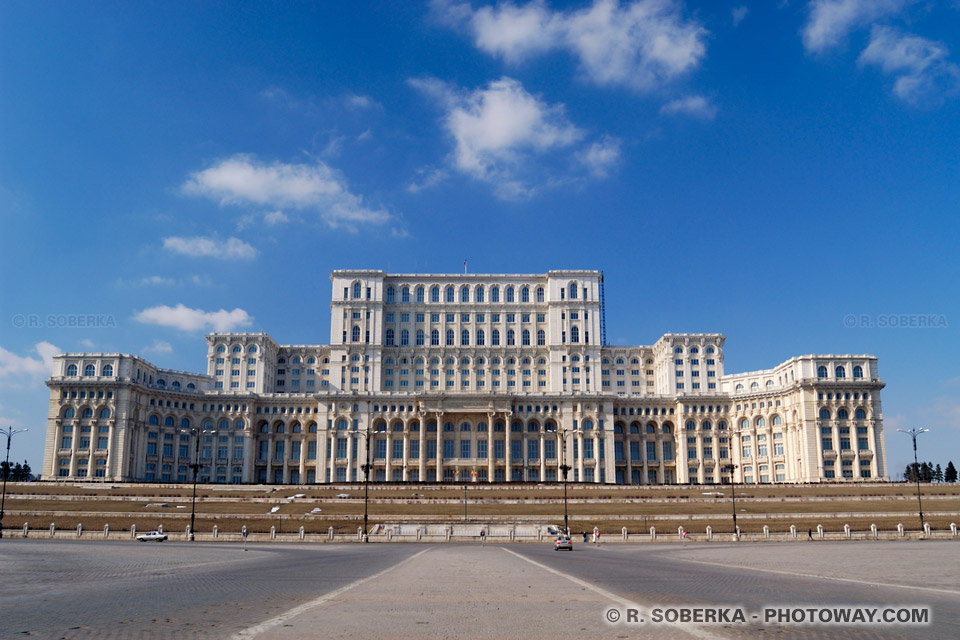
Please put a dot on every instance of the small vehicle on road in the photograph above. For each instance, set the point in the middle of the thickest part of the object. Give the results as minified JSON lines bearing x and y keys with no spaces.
{"x":563,"y":542}
{"x":152,"y":536}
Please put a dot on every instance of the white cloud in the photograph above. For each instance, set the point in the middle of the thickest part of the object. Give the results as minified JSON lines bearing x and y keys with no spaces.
{"x":87,"y":343}
{"x":831,"y":20}
{"x":642,"y":44}
{"x":158,"y":346}
{"x":187,"y":319}
{"x":600,"y":157}
{"x":739,"y":13}
{"x":499,"y":130}
{"x":12,"y":365}
{"x":427,"y":178}
{"x":243,"y":180}
{"x":157,"y":280}
{"x":923,"y":73}
{"x":197,"y":246}
{"x":275,"y":217}
{"x":693,"y":106}
{"x":361,"y":102}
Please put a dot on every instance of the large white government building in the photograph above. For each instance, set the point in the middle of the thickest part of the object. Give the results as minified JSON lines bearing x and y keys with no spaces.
{"x":466,"y":378}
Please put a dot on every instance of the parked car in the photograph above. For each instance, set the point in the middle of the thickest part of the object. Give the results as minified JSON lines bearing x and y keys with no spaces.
{"x":152,"y":536}
{"x":563,"y":542}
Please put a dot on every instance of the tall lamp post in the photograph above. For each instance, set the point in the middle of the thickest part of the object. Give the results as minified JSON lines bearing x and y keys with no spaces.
{"x":9,"y":431}
{"x":913,"y":433}
{"x":733,"y":495}
{"x":196,"y":432}
{"x":366,"y":466}
{"x":564,"y":470}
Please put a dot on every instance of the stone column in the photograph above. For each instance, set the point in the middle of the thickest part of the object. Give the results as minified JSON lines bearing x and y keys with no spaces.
{"x":543,"y":456}
{"x":508,"y":473}
{"x":490,"y":446}
{"x":440,"y":437}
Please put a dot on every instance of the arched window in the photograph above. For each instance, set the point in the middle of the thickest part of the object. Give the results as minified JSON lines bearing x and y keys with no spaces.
{"x":420,"y":293}
{"x":185,"y":423}
{"x":842,"y":414}
{"x":525,"y":338}
{"x":691,"y":426}
{"x":434,"y":337}
{"x":776,"y":421}
{"x":464,"y":293}
{"x":89,"y":370}
{"x":494,"y":294}
{"x":341,"y":425}
{"x":574,"y":334}
{"x":678,"y":349}
{"x":356,"y":290}
{"x":541,"y":337}
{"x":108,"y":369}
{"x":572,"y":290}
{"x":840,"y":372}
{"x":666,"y":428}
{"x":761,"y":422}
{"x":168,"y":421}
{"x":389,"y":339}
{"x":404,"y":338}
{"x":744,"y":424}
{"x":391,"y":294}
{"x":706,"y":426}
{"x":87,"y":413}
{"x":509,"y":294}
{"x":355,"y":334}
{"x":239,"y":425}
{"x":449,"y":337}
{"x":224,"y":425}
{"x":495,"y":338}
{"x":480,"y":337}
{"x":72,"y":370}
{"x":754,"y":385}
{"x":420,"y":337}
{"x":450,"y":294}
{"x":539,"y":294}
{"x":281,"y":428}
{"x":465,"y":338}
{"x":252,"y":349}
{"x":405,"y":294}
{"x":264,"y":427}
{"x":525,"y":294}
{"x":821,"y":371}
{"x":153,"y":419}
{"x":237,"y":349}
{"x":769,"y":383}
{"x":448,"y":426}
{"x":161,"y":382}
{"x":739,"y":387}
{"x":587,"y":425}
{"x":191,"y":386}
{"x":221,"y":349}
{"x":478,"y":294}
{"x":857,"y":372}
{"x":435,"y":294}
{"x":824,"y":414}
{"x":104,"y":413}
{"x":510,"y":337}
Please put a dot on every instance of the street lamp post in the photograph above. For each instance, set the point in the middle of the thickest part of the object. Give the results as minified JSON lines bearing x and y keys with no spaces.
{"x":564,"y":470}
{"x":366,"y":484}
{"x":913,"y":433}
{"x":464,"y":502}
{"x":733,"y":495}
{"x":9,"y":431}
{"x":196,"y":433}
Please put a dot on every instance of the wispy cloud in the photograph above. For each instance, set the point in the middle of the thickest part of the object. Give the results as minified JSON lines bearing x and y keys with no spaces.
{"x":506,"y":136}
{"x":601,"y":157}
{"x":14,"y":366}
{"x":187,"y":319}
{"x":692,"y":106}
{"x":157,"y":281}
{"x":275,"y":217}
{"x":642,"y":44}
{"x":739,"y":13}
{"x":923,"y":73}
{"x":830,"y":21}
{"x":427,"y":178}
{"x":243,"y":180}
{"x":206,"y":247}
{"x":158,"y":346}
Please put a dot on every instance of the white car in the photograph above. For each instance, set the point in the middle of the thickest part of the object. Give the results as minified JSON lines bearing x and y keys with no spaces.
{"x":152,"y":536}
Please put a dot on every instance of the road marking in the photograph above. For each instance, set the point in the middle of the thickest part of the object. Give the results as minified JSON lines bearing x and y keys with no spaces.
{"x":645,"y":611}
{"x":257,"y":629}
{"x":871,"y":583}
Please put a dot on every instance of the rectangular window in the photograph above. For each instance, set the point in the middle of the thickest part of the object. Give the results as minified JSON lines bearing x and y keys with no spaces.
{"x":431,"y":449}
{"x":482,"y":449}
{"x":464,"y":448}
{"x":516,"y":449}
{"x":533,"y":449}
{"x":448,"y":449}
{"x":498,"y":449}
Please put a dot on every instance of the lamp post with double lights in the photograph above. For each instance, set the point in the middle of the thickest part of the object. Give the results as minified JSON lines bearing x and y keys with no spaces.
{"x":564,"y":470}
{"x":366,"y":466}
{"x":9,"y":431}
{"x":733,"y":495}
{"x":913,"y":433}
{"x":196,"y":432}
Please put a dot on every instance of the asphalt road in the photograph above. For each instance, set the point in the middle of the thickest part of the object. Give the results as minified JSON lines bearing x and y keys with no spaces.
{"x":100,"y":589}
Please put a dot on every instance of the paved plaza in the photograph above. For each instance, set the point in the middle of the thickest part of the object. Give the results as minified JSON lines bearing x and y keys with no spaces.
{"x":98,"y":589}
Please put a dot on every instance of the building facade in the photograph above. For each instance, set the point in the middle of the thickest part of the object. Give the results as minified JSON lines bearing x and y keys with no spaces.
{"x":465,"y":378}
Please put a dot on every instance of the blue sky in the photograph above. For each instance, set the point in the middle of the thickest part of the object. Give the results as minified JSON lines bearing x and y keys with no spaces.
{"x":786,"y":173}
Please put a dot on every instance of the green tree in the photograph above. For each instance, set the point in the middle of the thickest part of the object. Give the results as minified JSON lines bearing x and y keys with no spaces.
{"x":950,"y":475}
{"x":938,"y":474}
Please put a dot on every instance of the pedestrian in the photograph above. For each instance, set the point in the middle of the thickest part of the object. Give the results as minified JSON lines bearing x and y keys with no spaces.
{"x":585,"y":536}
{"x":809,"y":534}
